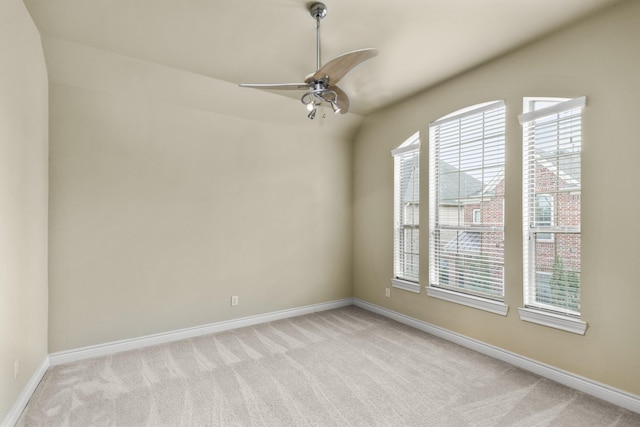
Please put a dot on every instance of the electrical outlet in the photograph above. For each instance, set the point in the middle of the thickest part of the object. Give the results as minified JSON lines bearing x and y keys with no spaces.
{"x":234,"y":301}
{"x":387,"y":292}
{"x":16,"y":368}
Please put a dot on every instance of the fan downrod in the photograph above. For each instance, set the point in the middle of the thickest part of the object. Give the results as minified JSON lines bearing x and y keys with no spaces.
{"x":318,"y":10}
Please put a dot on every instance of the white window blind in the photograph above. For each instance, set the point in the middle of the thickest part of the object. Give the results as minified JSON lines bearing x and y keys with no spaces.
{"x":552,"y":138}
{"x":466,"y":206}
{"x":407,"y":210}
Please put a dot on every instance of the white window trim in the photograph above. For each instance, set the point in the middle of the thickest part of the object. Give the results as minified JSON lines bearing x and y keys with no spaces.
{"x":553,"y":320}
{"x":414,"y":144}
{"x":569,"y":104}
{"x":480,"y":303}
{"x":496,"y":307}
{"x":405,"y":285}
{"x":537,"y":315}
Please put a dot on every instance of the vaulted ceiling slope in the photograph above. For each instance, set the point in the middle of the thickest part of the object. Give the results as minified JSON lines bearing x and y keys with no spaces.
{"x":421,"y":42}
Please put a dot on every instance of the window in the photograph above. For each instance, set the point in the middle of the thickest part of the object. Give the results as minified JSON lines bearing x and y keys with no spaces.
{"x":543,"y":215}
{"x":552,"y":149}
{"x":406,"y":164}
{"x":466,"y":207}
{"x":476,"y":216}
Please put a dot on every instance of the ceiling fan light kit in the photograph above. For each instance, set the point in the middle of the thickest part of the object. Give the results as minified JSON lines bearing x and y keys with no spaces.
{"x":320,"y":85}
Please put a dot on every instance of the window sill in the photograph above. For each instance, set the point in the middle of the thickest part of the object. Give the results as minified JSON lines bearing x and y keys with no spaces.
{"x":406,"y":285}
{"x":553,"y":320}
{"x":491,"y":306}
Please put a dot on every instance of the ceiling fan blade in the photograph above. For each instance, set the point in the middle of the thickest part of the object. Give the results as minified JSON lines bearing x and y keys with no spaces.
{"x":341,"y":65}
{"x":283,"y":86}
{"x":342,"y":101}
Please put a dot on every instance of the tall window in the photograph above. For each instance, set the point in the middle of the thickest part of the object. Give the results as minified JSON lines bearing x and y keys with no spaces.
{"x":551,"y":206}
{"x":466,"y":206}
{"x":406,"y":214}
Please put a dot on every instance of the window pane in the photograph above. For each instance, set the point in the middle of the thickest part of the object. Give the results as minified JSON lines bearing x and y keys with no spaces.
{"x":551,"y":189}
{"x":467,"y":210}
{"x":559,"y":261}
{"x":471,"y":262}
{"x":407,"y":211}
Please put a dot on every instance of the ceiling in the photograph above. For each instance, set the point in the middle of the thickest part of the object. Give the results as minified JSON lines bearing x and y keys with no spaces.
{"x":421,"y":42}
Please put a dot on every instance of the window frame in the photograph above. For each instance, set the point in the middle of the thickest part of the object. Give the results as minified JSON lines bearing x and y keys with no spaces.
{"x":400,"y":280}
{"x":476,"y":215}
{"x":454,"y":293}
{"x":534,"y":310}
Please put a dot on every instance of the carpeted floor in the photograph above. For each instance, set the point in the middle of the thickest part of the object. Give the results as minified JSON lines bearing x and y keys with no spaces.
{"x":344,"y":367}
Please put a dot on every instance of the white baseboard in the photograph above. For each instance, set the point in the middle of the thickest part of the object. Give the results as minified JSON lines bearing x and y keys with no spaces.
{"x":74,"y":355}
{"x":602,"y":391}
{"x":16,"y":410}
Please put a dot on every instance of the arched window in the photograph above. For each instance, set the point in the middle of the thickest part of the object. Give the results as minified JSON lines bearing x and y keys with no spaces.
{"x":466,"y":207}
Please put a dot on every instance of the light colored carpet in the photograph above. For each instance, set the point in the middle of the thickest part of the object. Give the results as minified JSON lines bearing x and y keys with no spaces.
{"x":344,"y":367}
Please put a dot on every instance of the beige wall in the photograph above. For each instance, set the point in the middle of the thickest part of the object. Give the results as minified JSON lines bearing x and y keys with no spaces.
{"x":167,"y":199}
{"x":597,"y":58}
{"x":23,"y":201}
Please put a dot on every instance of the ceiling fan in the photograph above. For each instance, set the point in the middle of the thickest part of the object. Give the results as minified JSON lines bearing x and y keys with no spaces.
{"x":320,"y":85}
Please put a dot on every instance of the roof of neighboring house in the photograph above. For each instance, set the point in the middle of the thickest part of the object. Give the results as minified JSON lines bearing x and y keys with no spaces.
{"x":456,"y":186}
{"x":466,"y":241}
{"x":567,"y":169}
{"x":409,"y":190}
